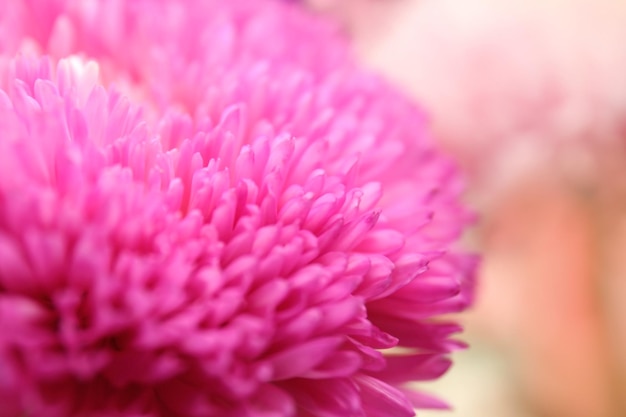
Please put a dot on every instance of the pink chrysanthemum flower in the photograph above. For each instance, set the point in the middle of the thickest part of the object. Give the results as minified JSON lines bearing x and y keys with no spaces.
{"x":254,"y":242}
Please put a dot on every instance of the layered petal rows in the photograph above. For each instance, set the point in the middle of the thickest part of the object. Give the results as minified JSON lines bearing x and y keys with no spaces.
{"x":206,"y":209}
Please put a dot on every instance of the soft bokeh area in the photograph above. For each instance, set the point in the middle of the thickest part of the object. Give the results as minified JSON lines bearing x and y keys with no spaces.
{"x":530,"y":97}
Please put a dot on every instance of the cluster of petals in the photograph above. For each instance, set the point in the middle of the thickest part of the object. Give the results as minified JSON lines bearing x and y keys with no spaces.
{"x":206,"y":209}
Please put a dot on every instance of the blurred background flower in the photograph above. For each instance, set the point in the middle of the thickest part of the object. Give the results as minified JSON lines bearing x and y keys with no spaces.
{"x":530,"y":96}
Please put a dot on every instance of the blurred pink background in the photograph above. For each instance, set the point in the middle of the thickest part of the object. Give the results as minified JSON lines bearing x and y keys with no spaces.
{"x":530,"y":97}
